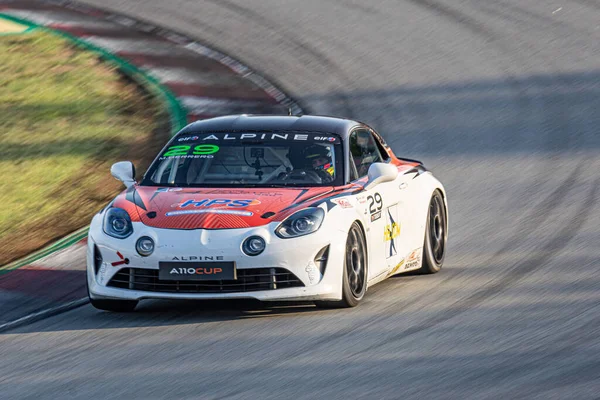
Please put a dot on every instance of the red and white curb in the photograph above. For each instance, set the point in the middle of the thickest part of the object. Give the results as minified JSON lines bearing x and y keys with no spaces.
{"x":210,"y":83}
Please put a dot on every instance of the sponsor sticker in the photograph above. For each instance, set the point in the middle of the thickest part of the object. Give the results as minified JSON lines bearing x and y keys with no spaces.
{"x":342,"y":203}
{"x":188,"y":138}
{"x":414,"y":255}
{"x":413,"y":260}
{"x":256,"y":136}
{"x":391,"y":231}
{"x":219,"y":202}
{"x":375,"y":216}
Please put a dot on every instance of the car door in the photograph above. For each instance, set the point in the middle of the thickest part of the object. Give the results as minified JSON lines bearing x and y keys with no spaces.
{"x":382,"y":205}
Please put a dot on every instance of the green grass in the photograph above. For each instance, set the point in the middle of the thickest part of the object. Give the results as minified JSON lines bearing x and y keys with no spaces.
{"x":65,"y":117}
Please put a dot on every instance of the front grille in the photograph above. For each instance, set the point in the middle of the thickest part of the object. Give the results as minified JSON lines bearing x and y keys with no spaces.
{"x":248,"y":280}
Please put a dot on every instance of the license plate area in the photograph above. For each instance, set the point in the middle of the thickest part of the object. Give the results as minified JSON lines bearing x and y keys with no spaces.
{"x":197,"y":271}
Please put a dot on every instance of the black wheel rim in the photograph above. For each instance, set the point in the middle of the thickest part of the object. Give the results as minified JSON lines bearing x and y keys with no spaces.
{"x":437,"y":229}
{"x":355,"y":263}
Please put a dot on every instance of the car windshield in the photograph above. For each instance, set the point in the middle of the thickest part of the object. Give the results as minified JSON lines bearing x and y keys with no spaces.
{"x":249,"y":159}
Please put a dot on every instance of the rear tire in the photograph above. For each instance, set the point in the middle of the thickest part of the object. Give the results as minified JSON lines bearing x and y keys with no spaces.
{"x":354,"y":277}
{"x":436,"y":235}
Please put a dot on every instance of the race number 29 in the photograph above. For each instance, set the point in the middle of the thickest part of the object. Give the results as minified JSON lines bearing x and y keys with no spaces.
{"x":375,"y":203}
{"x":183,"y":150}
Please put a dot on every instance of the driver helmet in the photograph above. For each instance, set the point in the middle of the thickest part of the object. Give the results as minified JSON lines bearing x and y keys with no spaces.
{"x":318,"y":158}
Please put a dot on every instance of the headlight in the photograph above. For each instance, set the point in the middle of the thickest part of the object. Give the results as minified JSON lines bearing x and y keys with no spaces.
{"x":254,"y":245}
{"x":144,"y":246}
{"x":117,"y":223}
{"x":301,"y":223}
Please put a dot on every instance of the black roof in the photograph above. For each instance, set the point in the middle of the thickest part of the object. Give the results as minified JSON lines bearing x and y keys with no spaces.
{"x":268,"y":123}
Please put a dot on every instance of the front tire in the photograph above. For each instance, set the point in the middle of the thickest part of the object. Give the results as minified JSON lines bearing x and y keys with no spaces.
{"x":436,"y":235}
{"x":354,"y":277}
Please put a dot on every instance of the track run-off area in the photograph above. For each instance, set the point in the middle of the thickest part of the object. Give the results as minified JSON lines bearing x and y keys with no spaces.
{"x":501,"y":100}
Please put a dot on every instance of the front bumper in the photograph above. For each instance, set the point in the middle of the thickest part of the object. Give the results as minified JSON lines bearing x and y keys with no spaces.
{"x":296,"y":255}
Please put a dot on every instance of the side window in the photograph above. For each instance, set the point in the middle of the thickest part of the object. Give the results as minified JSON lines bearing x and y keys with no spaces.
{"x":382,"y":151}
{"x":364,"y":151}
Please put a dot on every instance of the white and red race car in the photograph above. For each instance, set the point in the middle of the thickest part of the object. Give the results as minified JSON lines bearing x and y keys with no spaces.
{"x":266,"y":207}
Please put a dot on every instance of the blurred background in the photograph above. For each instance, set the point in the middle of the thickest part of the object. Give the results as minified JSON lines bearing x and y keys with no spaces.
{"x":498,"y":98}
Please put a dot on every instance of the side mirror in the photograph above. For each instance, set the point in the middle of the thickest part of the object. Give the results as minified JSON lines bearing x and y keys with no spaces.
{"x":379,"y":173}
{"x":124,"y":171}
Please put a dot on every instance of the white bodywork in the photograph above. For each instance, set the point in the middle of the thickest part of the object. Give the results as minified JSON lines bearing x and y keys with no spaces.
{"x":392,"y":214}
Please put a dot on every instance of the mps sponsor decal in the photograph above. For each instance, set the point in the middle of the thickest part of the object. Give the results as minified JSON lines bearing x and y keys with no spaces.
{"x":391,"y":230}
{"x":218,"y":202}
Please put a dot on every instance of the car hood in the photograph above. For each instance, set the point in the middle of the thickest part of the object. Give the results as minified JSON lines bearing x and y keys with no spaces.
{"x":195,"y":208}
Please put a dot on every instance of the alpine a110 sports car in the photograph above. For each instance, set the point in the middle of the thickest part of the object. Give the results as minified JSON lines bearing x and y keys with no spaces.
{"x":266,"y":207}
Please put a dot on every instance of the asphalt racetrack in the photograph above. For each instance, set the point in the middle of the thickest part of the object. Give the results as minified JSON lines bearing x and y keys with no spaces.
{"x":501,"y":99}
